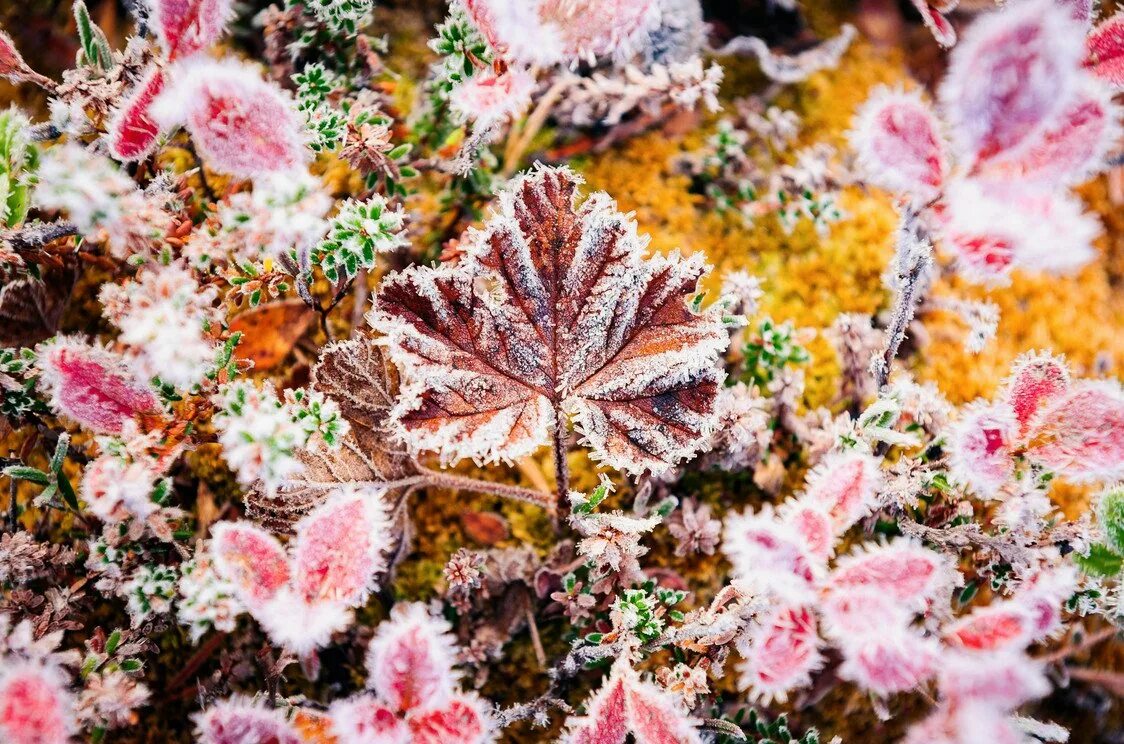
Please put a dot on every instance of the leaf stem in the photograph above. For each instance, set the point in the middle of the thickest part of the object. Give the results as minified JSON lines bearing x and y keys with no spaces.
{"x":561,"y":466}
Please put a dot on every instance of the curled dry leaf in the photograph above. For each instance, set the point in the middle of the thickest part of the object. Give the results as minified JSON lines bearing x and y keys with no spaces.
{"x":555,"y":310}
{"x":362,"y":382}
{"x":269,"y":332}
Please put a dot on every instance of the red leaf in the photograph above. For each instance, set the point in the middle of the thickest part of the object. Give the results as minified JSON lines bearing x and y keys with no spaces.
{"x":463,"y":719}
{"x":410,"y":660}
{"x":907,"y":571}
{"x":1104,"y":51}
{"x":626,"y":704}
{"x":781,"y":654}
{"x":133,"y":132}
{"x":989,"y":629}
{"x":554,"y":310}
{"x":364,"y":719}
{"x":935,"y":21}
{"x":35,"y":706}
{"x":1036,"y":379}
{"x":92,"y":386}
{"x":1067,"y":151}
{"x":338,"y":552}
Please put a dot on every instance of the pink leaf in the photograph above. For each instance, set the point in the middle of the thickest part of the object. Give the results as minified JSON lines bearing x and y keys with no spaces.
{"x":1036,"y":379}
{"x":1104,"y":51}
{"x":1004,"y":680}
{"x":364,"y":719}
{"x":627,"y":704}
{"x":241,"y":124}
{"x":606,"y":719}
{"x":35,"y":706}
{"x":132,"y":132}
{"x":1009,"y":76}
{"x":889,"y":661}
{"x":966,"y":723}
{"x":847,"y":484}
{"x":855,"y":612}
{"x":546,"y":32}
{"x":989,"y":629}
{"x":980,"y":444}
{"x":1081,"y":434}
{"x":185,"y":27}
{"x":91,"y":385}
{"x":1070,"y":149}
{"x":781,"y":654}
{"x":239,"y":721}
{"x":410,"y":660}
{"x":898,"y":143}
{"x":902,"y":569}
{"x":338,"y":549}
{"x":463,"y":718}
{"x":487,"y":98}
{"x":251,"y":558}
{"x":813,"y":523}
{"x":771,"y":551}
{"x":655,"y":716}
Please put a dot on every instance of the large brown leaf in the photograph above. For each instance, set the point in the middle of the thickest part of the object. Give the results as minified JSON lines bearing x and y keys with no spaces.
{"x":555,"y":310}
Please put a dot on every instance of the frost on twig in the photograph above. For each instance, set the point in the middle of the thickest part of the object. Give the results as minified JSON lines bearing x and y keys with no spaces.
{"x":913,"y":256}
{"x":786,"y":69}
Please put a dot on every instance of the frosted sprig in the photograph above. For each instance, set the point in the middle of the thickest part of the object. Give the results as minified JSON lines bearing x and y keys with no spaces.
{"x":360,"y":231}
{"x":258,"y":434}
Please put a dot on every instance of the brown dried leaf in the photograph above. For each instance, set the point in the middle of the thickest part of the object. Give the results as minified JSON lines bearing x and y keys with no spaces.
{"x":485,"y":528}
{"x":357,"y":376}
{"x":30,"y":309}
{"x":554,"y":310}
{"x":270,"y":331}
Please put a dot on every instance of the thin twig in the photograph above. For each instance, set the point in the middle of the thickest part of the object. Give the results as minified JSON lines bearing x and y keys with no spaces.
{"x":36,"y":236}
{"x":912,"y":258}
{"x":518,"y":145}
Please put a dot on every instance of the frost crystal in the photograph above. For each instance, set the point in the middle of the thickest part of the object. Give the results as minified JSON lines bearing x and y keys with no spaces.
{"x":554,"y":310}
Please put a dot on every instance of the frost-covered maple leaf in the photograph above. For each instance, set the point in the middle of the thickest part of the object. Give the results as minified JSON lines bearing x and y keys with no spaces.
{"x":360,"y":378}
{"x":554,"y":311}
{"x":303,"y":595}
{"x":625,"y":705}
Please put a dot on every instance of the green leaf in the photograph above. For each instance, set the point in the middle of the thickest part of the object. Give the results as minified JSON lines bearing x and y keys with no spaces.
{"x":67,"y":492}
{"x":113,"y":642}
{"x":1101,"y":561}
{"x":131,"y":665}
{"x":23,"y":472}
